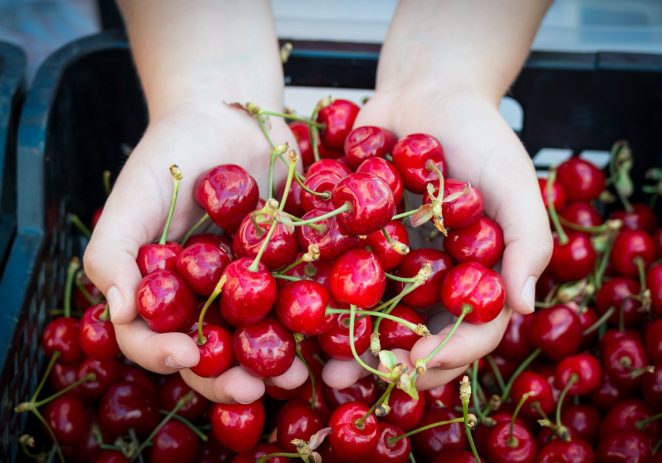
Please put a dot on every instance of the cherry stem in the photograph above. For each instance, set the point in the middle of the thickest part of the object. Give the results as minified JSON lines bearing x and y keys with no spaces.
{"x":396,"y":245}
{"x":465,"y":394}
{"x":641,"y":424}
{"x":359,"y":360}
{"x":401,"y":321}
{"x":72,"y":270}
{"x":291,"y":168}
{"x":641,"y":268}
{"x":321,"y":194}
{"x":313,"y":385}
{"x":400,"y":279}
{"x":177,"y":176}
{"x":599,"y":322}
{"x":106,"y":182}
{"x":291,"y":117}
{"x":80,"y":226}
{"x":203,"y":220}
{"x":265,"y":243}
{"x":551,"y":209}
{"x":310,"y":256}
{"x":314,"y":130}
{"x":466,"y":310}
{"x":42,"y":382}
{"x":276,"y":153}
{"x":383,"y":399}
{"x":180,"y":403}
{"x":474,"y":391}
{"x":217,"y":290}
{"x":88,"y":377}
{"x":393,"y":440}
{"x":39,"y":416}
{"x":592,"y":230}
{"x":512,"y":440}
{"x":404,"y":215}
{"x":341,"y":210}
{"x":188,"y":424}
{"x":573,"y":379}
{"x":602,"y":266}
{"x":615,"y":152}
{"x":83,"y":290}
{"x":286,"y":277}
{"x":523,"y":366}
{"x":264,"y":458}
{"x":105,"y":315}
{"x":496,"y":372}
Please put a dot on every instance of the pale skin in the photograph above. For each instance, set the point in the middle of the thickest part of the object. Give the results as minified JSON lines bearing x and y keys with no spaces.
{"x":443,"y":69}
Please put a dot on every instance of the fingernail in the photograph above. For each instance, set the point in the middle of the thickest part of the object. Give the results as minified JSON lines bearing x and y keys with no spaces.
{"x":115,"y":301}
{"x":173,"y":362}
{"x":529,"y":293}
{"x":243,"y":401}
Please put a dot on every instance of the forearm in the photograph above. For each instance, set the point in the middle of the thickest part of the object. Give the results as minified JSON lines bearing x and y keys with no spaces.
{"x":476,"y":45}
{"x":204,"y":52}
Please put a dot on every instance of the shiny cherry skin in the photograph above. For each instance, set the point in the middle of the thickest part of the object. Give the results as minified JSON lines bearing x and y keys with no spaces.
{"x":481,"y":241}
{"x":583,"y":421}
{"x":313,"y":271}
{"x":330,"y":240}
{"x":296,"y":420}
{"x":653,"y":339}
{"x":127,"y":405}
{"x":265,"y":348}
{"x":557,"y":331}
{"x":154,"y":256}
{"x":293,"y":202}
{"x":302,"y":135}
{"x":213,"y":452}
{"x":386,"y":171}
{"x":444,"y":396}
{"x":608,"y":393}
{"x":500,"y":449}
{"x":430,"y":292}
{"x":393,"y":335}
{"x":322,"y":181}
{"x":584,"y":368}
{"x":387,"y":253}
{"x":628,"y":245}
{"x":63,"y":375}
{"x":367,"y":141}
{"x":215,"y":240}
{"x":581,"y":180}
{"x":439,"y":439}
{"x":622,"y":354}
{"x":338,"y":119}
{"x":462,"y":210}
{"x":370,"y":200}
{"x":642,"y":217}
{"x":651,"y":387}
{"x":625,"y":415}
{"x":174,"y":443}
{"x":67,"y":418}
{"x":62,"y":335}
{"x":105,"y":372}
{"x":573,"y":260}
{"x":387,"y":452}
{"x":174,"y":388}
{"x":260,"y":450}
{"x":348,"y":440}
{"x":227,"y":193}
{"x":617,"y":293}
{"x":201,"y":266}
{"x":136,"y":375}
{"x":301,"y":307}
{"x":110,"y":456}
{"x":281,"y":250}
{"x":515,"y":343}
{"x":97,"y":336}
{"x":334,"y":166}
{"x":216,"y":353}
{"x":581,"y":213}
{"x":335,"y":341}
{"x":364,"y":391}
{"x":405,"y":412}
{"x":357,"y":278}
{"x":625,"y":447}
{"x":654,"y":284}
{"x":247,"y":296}
{"x":559,"y":451}
{"x":164,"y":301}
{"x":238,"y":427}
{"x":557,"y":194}
{"x":410,"y":155}
{"x":475,"y":285}
{"x":528,"y":381}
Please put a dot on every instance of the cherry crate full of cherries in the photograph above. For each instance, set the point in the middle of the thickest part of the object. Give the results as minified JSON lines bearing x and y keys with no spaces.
{"x":324,"y":270}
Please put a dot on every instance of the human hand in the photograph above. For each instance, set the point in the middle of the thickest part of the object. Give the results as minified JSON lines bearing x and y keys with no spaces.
{"x":196,"y":139}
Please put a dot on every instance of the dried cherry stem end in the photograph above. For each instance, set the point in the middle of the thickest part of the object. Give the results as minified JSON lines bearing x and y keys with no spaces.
{"x":397,"y":246}
{"x":312,"y":255}
{"x":470,"y":421}
{"x":380,"y":407}
{"x":212,"y":297}
{"x":177,"y":176}
{"x":437,"y":216}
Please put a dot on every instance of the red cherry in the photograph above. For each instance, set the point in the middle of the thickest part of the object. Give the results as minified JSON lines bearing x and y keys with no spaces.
{"x":410,"y":155}
{"x":387,"y":253}
{"x":96,"y":216}
{"x":625,"y":447}
{"x":338,"y":119}
{"x":127,"y":405}
{"x":406,"y":412}
{"x":63,"y":375}
{"x":62,"y":335}
{"x":216,"y":354}
{"x":87,"y":448}
{"x":334,"y":166}
{"x":302,"y":307}
{"x":654,"y":284}
{"x":387,"y":452}
{"x":265,"y":348}
{"x":174,"y":443}
{"x":642,"y":218}
{"x":164,"y":301}
{"x":238,"y":426}
{"x":625,"y":416}
{"x":67,"y":419}
{"x":623,"y":354}
{"x":479,"y":287}
{"x":654,"y":341}
{"x":213,"y":452}
{"x":293,"y":203}
{"x":154,"y":256}
{"x":456,"y":456}
{"x":319,"y":181}
{"x":430,"y":292}
{"x":364,"y":391}
{"x":581,"y":180}
{"x":365,"y":142}
{"x":386,"y":171}
{"x":296,"y":420}
{"x":281,"y":250}
{"x":529,"y":381}
{"x":582,"y":421}
{"x":515,"y":343}
{"x":133,"y":374}
{"x":608,"y":393}
{"x":253,"y":455}
{"x":302,"y":135}
{"x":658,"y":242}
{"x":313,"y":271}
{"x":628,"y":245}
{"x":501,"y":448}
{"x":393,"y":335}
{"x":557,"y":331}
{"x":79,"y":301}
{"x":480,"y":241}
{"x":173,"y":389}
{"x":462,"y":210}
{"x":105,"y":373}
{"x":111,"y":456}
{"x":97,"y":336}
{"x":227,"y":193}
{"x":573,"y":260}
{"x":215,"y":240}
{"x":581,"y":213}
{"x":557,"y":194}
{"x":349,"y":440}
{"x":559,"y":451}
{"x":201,"y":266}
{"x":617,"y":293}
{"x":335,"y":341}
{"x":441,"y":438}
{"x":652,"y":387}
{"x":444,"y":396}
{"x":358,"y":278}
{"x":247,"y":296}
{"x":330,"y":240}
{"x":584,"y":368}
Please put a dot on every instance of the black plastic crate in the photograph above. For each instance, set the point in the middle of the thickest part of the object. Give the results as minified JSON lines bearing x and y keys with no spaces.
{"x":86,"y":102}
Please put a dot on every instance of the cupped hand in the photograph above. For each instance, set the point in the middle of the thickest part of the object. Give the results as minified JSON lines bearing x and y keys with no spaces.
{"x":196,"y":139}
{"x":481,"y":148}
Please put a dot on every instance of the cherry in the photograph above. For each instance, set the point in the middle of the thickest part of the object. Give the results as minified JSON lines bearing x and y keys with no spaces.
{"x":215,"y":240}
{"x":367,"y":141}
{"x":173,"y":389}
{"x":260,"y":450}
{"x":581,"y":213}
{"x":338,"y":119}
{"x":658,"y":242}
{"x":386,"y":171}
{"x":133,"y":374}
{"x":410,"y":156}
{"x":301,"y":306}
{"x":515,"y":343}
{"x":608,"y":393}
{"x":587,"y":318}
{"x":249,"y":237}
{"x":335,"y":341}
{"x":617,"y":293}
{"x":624,"y":357}
{"x":480,"y":241}
{"x":625,"y":416}
{"x":573,"y":260}
{"x":581,"y":180}
{"x":155,"y":256}
{"x":322,"y":182}
{"x":296,"y":420}
{"x":227,"y":193}
{"x":164,"y":301}
{"x":293,"y":203}
{"x":369,"y":202}
{"x":440,"y":438}
{"x":334,"y":166}
{"x":364,"y":390}
{"x":302,"y":134}
{"x":654,"y":284}
{"x":330,"y":241}
{"x":216,"y":353}
{"x":461,"y":203}
{"x":390,"y":255}
{"x":559,"y":451}
{"x":584,"y":369}
{"x":456,"y":456}
{"x":63,"y":375}
{"x":506,"y":368}
{"x":247,"y":296}
{"x":265,"y":348}
{"x":358,"y":278}
{"x":625,"y":446}
{"x":652,"y":387}
{"x":471,"y":284}
{"x":105,"y":373}
{"x":201,"y":266}
{"x":238,"y":426}
{"x":174,"y":443}
{"x":628,"y":245}
{"x":406,"y":412}
{"x":67,"y":419}
{"x":642,"y":217}
{"x":97,"y":334}
{"x":87,"y":448}
{"x":313,"y":271}
{"x":582,"y":421}
{"x":126,"y":405}
{"x":351,"y":440}
{"x":556,"y":331}
{"x":78,"y":299}
{"x":428,"y":293}
{"x":530,"y":382}
{"x":111,"y":456}
{"x":213,"y":452}
{"x":506,"y":446}
{"x":653,"y":339}
{"x":393,"y":335}
{"x":62,"y":335}
{"x":444,"y":396}
{"x":386,"y":450}
{"x":557,"y":194}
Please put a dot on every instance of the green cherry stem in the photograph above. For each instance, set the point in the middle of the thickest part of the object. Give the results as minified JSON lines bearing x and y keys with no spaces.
{"x":217,"y":290}
{"x":83,"y":290}
{"x":314,"y":130}
{"x":42,"y":382}
{"x":641,"y":424}
{"x":312,"y":255}
{"x":404,"y":215}
{"x":474,"y":391}
{"x":72,"y":270}
{"x":592,"y":230}
{"x":188,"y":424}
{"x":496,"y":372}
{"x":291,"y":168}
{"x":599,"y":322}
{"x":393,"y":440}
{"x":512,"y":440}
{"x":523,"y":366}
{"x":419,"y":328}
{"x":106,"y":182}
{"x":383,"y":399}
{"x":203,"y":220}
{"x":641,"y":269}
{"x":421,"y":365}
{"x":551,"y":209}
{"x":469,"y":423}
{"x":559,"y":406}
{"x":400,"y":279}
{"x":271,"y":203}
{"x":359,"y":360}
{"x":264,"y":458}
{"x":615,"y":226}
{"x":341,"y":210}
{"x":291,"y":117}
{"x":88,"y":377}
{"x":80,"y":226}
{"x":286,"y":277}
{"x":177,"y":176}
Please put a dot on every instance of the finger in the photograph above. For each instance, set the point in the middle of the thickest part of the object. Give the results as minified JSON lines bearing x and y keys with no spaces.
{"x":432,"y":378}
{"x":340,"y":374}
{"x":294,"y":377}
{"x":468,"y":343}
{"x":167,"y":352}
{"x":235,"y":385}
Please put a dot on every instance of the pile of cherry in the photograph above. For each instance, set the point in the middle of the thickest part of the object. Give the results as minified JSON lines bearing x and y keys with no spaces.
{"x":324,"y":270}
